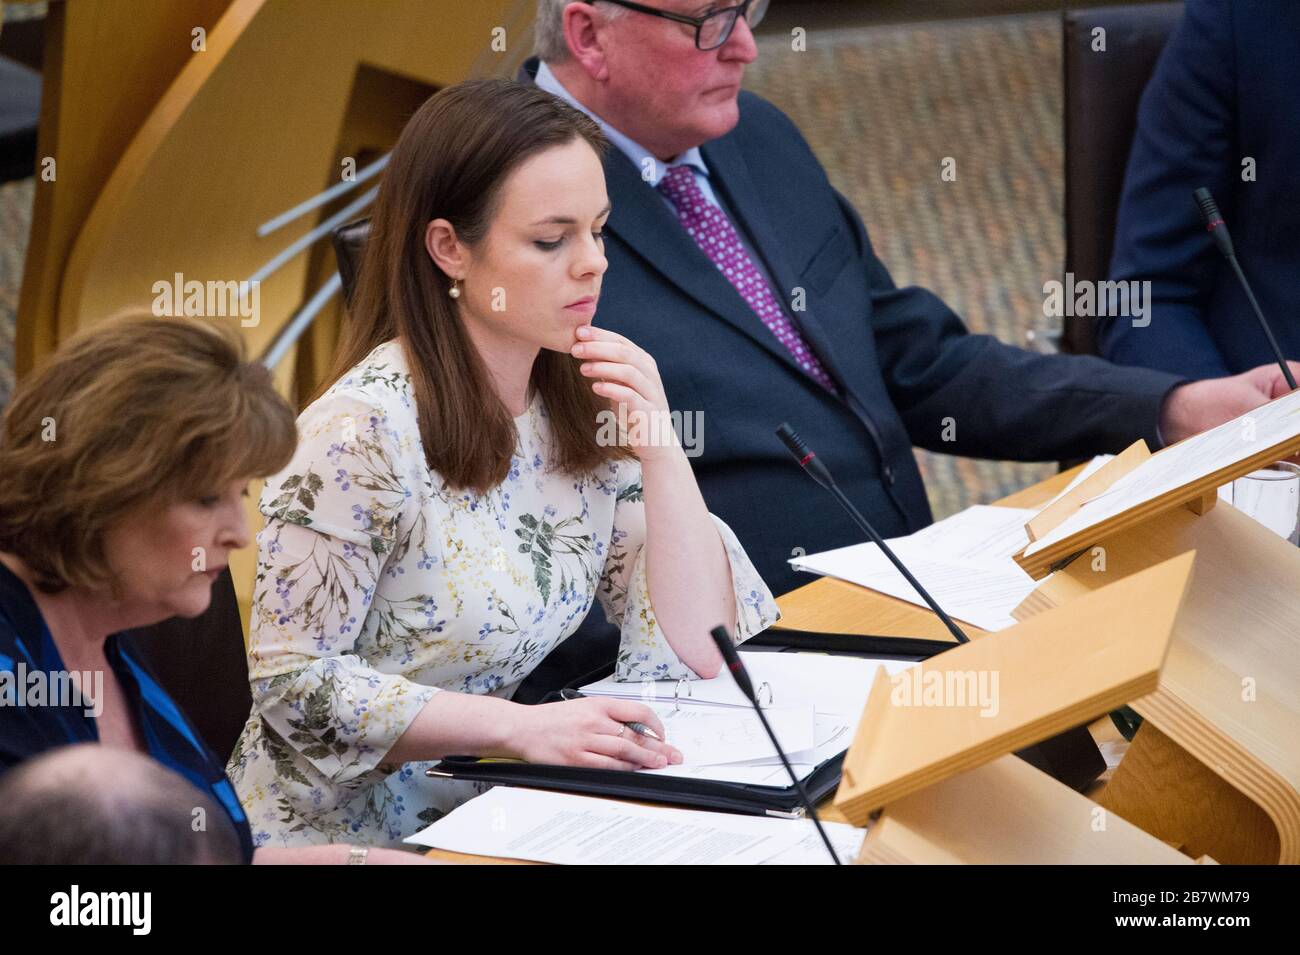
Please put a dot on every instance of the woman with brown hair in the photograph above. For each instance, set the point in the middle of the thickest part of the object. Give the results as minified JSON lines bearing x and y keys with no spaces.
{"x":453,"y":510}
{"x":123,"y":466}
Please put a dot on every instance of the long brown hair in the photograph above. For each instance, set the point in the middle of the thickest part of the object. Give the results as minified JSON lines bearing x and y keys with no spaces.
{"x":451,"y":162}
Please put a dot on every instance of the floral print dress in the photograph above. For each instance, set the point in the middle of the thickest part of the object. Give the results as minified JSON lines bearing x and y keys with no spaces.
{"x":379,"y":586}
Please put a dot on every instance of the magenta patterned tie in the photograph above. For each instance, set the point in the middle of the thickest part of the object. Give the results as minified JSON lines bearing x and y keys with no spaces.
{"x":717,"y":238}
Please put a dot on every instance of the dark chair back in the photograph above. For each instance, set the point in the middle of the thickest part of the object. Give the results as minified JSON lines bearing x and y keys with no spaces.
{"x":349,"y":244}
{"x":202,"y":663}
{"x":1102,"y":91}
{"x":20,"y":112}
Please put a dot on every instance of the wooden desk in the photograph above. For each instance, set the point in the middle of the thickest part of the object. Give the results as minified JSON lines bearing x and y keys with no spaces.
{"x":834,"y":606}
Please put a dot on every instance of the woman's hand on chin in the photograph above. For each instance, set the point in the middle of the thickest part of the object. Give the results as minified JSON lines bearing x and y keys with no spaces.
{"x":625,"y":374}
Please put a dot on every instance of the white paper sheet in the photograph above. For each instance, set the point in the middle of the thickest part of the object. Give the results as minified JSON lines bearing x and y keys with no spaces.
{"x":964,"y":561}
{"x":576,"y":830}
{"x":836,"y":687}
{"x":832,"y":684}
{"x":834,"y":736}
{"x":845,"y":839}
{"x":708,"y":736}
{"x":981,"y":534}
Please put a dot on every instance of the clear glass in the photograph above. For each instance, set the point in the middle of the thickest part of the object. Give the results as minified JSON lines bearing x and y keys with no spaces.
{"x":1270,"y":496}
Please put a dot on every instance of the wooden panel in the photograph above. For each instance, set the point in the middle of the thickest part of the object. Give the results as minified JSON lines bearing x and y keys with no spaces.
{"x":964,"y":820}
{"x":248,"y":128}
{"x":1057,"y":670}
{"x":379,"y":104}
{"x":828,"y":605}
{"x":1229,"y":694}
{"x":105,"y":68}
{"x":169,"y":158}
{"x":1094,"y":484}
{"x":1172,"y":795}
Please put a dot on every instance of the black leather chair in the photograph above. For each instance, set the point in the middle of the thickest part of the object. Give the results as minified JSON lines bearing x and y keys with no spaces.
{"x":1102,"y":91}
{"x":20,"y":110}
{"x":202,"y":663}
{"x":349,"y":242}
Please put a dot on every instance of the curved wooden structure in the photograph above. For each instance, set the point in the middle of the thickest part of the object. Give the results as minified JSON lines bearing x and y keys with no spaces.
{"x":1211,"y":772}
{"x":169,"y":152}
{"x":963,"y":820}
{"x":1215,"y":768}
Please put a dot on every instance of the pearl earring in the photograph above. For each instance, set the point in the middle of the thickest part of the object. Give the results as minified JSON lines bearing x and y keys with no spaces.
{"x":454,"y":291}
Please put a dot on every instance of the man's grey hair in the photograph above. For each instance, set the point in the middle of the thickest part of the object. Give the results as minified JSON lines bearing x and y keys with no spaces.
{"x":548,"y":30}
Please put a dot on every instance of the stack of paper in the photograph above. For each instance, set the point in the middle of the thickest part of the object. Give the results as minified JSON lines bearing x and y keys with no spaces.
{"x":812,"y":700}
{"x":964,"y":561}
{"x":582,"y":830}
{"x":713,"y":736}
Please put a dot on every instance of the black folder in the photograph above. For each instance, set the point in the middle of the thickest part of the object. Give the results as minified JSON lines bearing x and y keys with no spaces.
{"x":857,"y":644}
{"x":648,"y":787}
{"x":644,"y":787}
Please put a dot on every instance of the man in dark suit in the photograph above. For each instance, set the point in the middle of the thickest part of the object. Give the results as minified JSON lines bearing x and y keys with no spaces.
{"x":1220,"y":111}
{"x":753,"y":284}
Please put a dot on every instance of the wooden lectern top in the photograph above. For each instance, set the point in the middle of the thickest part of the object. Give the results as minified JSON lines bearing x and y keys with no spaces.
{"x":1012,"y":688}
{"x":1132,"y":489}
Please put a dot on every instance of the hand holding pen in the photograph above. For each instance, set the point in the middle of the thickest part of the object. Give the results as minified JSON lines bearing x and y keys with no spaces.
{"x":595,"y":732}
{"x":636,"y":727}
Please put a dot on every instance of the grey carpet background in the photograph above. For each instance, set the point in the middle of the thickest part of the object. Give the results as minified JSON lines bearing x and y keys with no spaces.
{"x":882,"y":107}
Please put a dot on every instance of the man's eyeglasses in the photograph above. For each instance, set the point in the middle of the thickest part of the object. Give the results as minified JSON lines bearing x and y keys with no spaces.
{"x":714,"y":28}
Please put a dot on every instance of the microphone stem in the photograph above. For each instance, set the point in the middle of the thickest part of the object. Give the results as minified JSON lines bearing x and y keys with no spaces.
{"x":862,"y":523}
{"x":1259,"y":314}
{"x":803,"y":793}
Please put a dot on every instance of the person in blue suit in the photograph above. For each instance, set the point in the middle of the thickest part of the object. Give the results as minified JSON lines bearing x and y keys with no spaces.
{"x":1219,"y":112}
{"x":903,"y":369}
{"x":754,"y":284}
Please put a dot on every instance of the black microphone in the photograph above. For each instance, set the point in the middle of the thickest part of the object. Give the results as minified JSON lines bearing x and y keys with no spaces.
{"x":732,"y":659}
{"x":819,"y":473}
{"x":1218,"y":230}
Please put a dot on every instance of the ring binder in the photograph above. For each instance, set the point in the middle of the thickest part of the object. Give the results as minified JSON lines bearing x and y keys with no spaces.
{"x":779,"y":801}
{"x":677,"y":687}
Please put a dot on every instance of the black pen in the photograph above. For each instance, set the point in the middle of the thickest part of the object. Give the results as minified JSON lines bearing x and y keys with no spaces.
{"x":639,"y":728}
